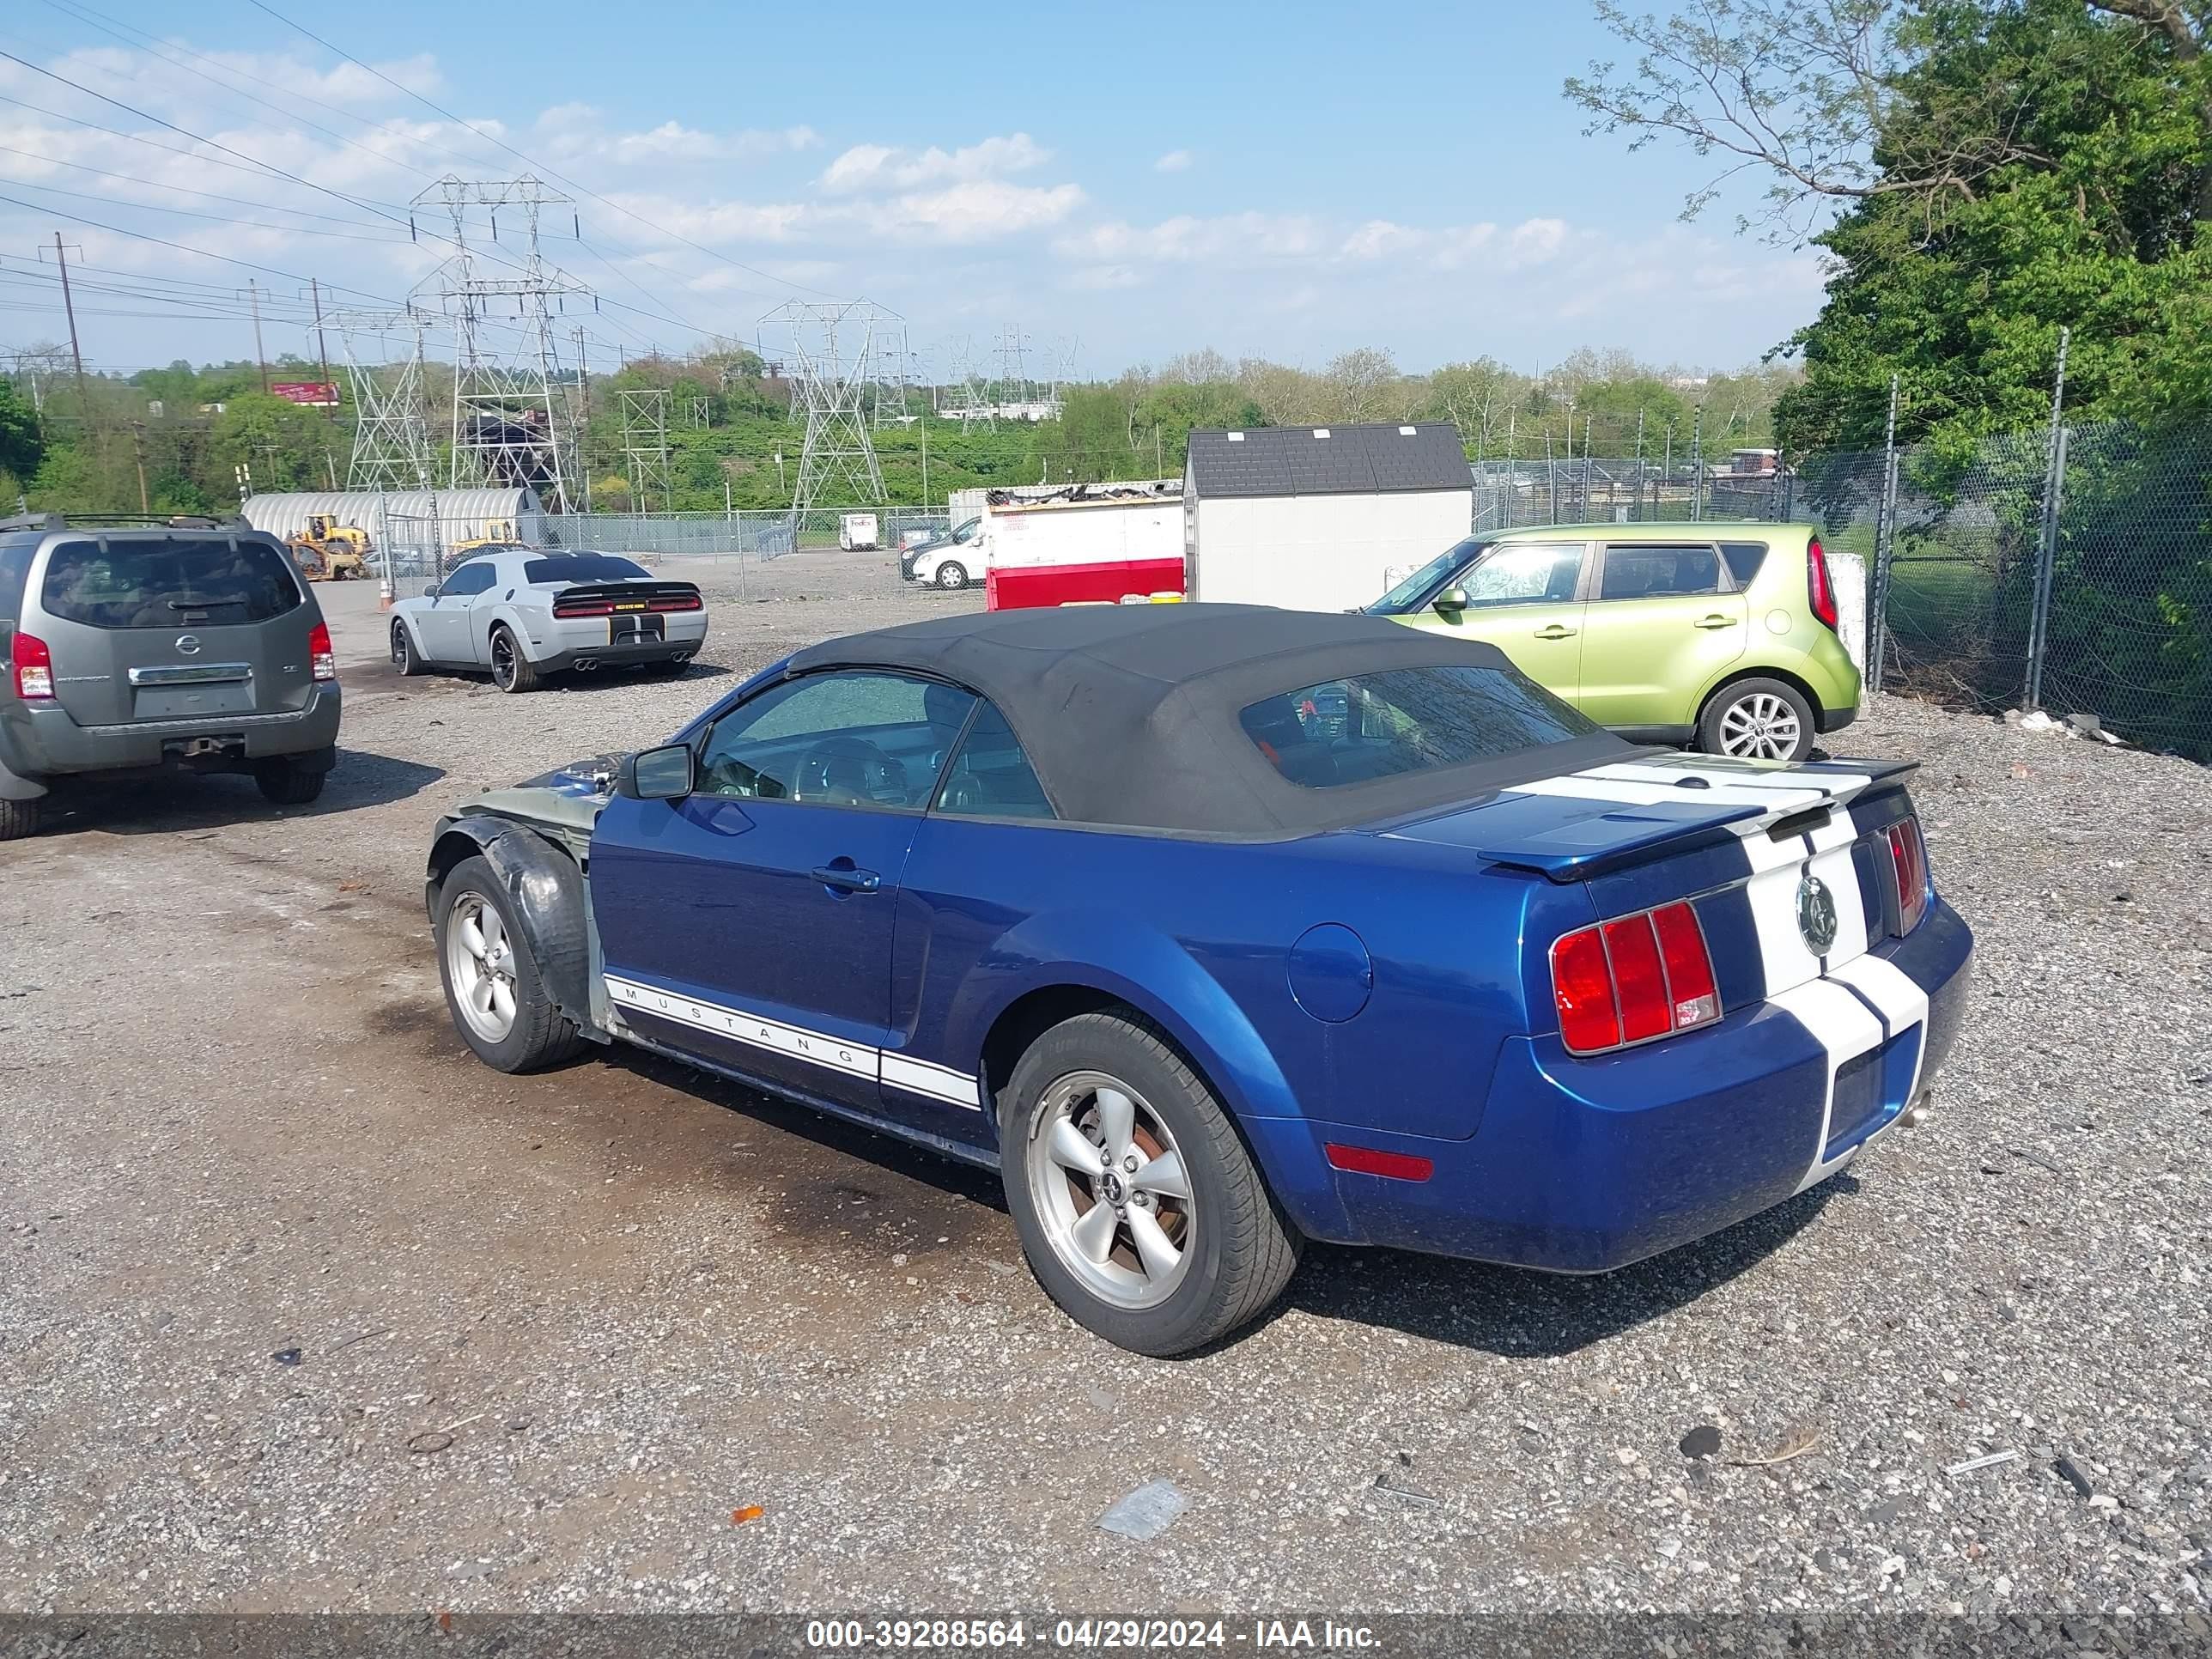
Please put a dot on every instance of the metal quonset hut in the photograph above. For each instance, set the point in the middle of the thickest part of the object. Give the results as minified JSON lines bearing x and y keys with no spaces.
{"x":416,"y":525}
{"x":1311,"y":517}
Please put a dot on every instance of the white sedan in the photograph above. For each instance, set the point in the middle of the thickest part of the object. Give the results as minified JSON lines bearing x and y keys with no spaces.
{"x":522,"y":613}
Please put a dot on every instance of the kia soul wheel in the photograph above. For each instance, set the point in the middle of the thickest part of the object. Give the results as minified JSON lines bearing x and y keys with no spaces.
{"x":1758,"y":719}
{"x":1139,"y":1211}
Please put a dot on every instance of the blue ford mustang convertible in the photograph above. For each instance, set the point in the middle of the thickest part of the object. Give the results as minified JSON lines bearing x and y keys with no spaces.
{"x":1216,"y":928}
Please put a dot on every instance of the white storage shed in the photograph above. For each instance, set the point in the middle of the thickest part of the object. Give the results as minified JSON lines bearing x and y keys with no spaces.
{"x":1313,"y":518}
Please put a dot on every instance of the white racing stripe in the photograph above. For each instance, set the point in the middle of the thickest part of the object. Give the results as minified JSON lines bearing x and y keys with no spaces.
{"x":920,"y":1077}
{"x":1840,"y":1022}
{"x":1897,"y":998}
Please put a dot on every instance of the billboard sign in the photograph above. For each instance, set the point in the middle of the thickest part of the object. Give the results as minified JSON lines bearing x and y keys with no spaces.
{"x":317,"y":394}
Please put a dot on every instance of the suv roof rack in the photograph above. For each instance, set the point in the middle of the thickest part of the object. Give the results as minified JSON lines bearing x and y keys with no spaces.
{"x":124,"y":521}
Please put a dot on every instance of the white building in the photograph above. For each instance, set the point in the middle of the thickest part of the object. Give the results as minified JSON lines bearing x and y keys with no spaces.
{"x":1316,"y":518}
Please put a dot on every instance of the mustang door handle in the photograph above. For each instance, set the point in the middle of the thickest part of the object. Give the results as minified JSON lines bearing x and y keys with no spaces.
{"x":848,"y":879}
{"x":1556,"y":632}
{"x":1714,"y":622}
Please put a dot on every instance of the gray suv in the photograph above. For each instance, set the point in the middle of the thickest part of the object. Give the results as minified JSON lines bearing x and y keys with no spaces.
{"x":129,"y":647}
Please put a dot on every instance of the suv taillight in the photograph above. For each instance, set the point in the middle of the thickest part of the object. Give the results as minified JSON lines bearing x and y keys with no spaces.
{"x":1908,"y":859}
{"x":320,"y":662}
{"x":1819,"y":590}
{"x":1632,"y":979}
{"x":34,"y":667}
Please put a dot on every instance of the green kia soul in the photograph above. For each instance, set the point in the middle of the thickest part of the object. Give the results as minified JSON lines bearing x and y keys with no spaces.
{"x":1720,"y":634}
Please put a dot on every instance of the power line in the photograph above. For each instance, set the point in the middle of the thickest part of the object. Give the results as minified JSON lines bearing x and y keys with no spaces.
{"x":212,"y":218}
{"x":737,"y":264}
{"x":160,"y":241}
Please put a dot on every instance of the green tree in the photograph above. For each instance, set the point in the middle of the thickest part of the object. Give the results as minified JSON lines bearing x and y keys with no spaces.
{"x":21,"y":444}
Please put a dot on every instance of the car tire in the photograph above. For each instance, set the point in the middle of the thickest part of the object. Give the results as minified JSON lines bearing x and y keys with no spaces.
{"x":18,"y":819}
{"x":405,"y":662}
{"x":534,"y":1033}
{"x":951,"y":576}
{"x":1758,"y":719}
{"x":512,"y":670}
{"x":286,"y":783}
{"x":1237,"y":1250}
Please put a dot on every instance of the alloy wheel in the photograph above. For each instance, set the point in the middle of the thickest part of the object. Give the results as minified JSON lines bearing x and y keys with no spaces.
{"x":1111,"y":1189}
{"x":1761,"y":726}
{"x":503,"y":659}
{"x":480,"y":966}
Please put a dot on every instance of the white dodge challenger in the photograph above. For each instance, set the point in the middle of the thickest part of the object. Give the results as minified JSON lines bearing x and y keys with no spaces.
{"x":522,"y":613}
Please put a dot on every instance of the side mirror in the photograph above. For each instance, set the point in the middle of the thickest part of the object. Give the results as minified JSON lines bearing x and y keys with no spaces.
{"x":431,"y":591}
{"x":1450,"y":602}
{"x":663,"y":773}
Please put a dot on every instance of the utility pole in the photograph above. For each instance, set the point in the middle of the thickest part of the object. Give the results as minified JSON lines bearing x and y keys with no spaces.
{"x":260,"y":356}
{"x":583,"y":414}
{"x":322,"y":349}
{"x":138,"y":455}
{"x":69,"y":305}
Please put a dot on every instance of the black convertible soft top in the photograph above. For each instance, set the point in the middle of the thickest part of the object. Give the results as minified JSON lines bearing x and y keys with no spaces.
{"x":1129,"y":712}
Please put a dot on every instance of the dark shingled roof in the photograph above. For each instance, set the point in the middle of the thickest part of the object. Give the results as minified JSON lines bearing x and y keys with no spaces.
{"x":1129,"y":712}
{"x":1351,"y":461}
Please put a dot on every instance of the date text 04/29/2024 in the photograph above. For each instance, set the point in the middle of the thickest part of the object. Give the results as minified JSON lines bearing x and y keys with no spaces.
{"x":1103,"y":1635}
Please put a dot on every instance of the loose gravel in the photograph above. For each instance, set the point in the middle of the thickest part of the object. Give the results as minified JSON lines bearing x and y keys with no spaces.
{"x":303,"y":1308}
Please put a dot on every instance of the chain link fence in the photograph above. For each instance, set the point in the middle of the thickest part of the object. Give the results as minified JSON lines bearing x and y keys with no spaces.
{"x":1512,"y":495}
{"x":417,"y":552}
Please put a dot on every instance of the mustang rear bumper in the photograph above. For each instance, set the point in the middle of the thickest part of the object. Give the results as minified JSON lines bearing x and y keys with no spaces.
{"x":1585,"y":1166}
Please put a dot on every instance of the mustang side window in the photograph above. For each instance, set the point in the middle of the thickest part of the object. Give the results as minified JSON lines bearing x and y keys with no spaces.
{"x":1653,"y":573}
{"x":991,"y":776}
{"x":854,"y":738}
{"x":1405,"y":720}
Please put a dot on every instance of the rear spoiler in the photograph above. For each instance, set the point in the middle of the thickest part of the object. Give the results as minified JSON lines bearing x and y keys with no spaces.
{"x":1679,"y":802}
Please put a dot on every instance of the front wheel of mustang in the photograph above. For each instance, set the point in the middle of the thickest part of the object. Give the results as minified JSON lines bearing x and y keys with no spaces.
{"x":493,"y":990}
{"x":1138,"y":1208}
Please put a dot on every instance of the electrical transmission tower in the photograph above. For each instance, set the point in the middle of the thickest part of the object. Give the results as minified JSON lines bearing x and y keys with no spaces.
{"x":644,"y":446}
{"x":510,"y":427}
{"x":976,"y":406}
{"x":391,"y":432}
{"x":832,"y":350}
{"x":894,"y":379}
{"x":1014,"y":370}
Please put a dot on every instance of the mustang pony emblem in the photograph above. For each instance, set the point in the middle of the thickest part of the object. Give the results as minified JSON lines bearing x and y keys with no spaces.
{"x":1816,"y":914}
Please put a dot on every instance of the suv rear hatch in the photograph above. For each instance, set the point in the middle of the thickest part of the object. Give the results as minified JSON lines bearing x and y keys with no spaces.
{"x":164,"y":628}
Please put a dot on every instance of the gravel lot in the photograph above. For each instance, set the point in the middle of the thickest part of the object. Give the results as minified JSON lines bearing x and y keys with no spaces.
{"x":303,"y":1308}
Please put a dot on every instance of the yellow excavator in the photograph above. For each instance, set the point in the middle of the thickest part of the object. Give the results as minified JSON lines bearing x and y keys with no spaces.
{"x":328,"y":551}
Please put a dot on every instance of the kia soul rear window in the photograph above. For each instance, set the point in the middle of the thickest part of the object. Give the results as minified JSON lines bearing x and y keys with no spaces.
{"x":167,"y":584}
{"x":1405,"y":720}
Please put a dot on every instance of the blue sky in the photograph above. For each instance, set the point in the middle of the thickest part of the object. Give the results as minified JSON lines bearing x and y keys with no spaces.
{"x":1122,"y":185}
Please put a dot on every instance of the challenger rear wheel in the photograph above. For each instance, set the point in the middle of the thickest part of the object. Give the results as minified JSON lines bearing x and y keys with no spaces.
{"x":511,"y":667}
{"x":1139,"y":1211}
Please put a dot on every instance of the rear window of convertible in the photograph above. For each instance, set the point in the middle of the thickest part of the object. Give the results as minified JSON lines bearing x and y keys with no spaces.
{"x":159,"y":584}
{"x":1364,"y":727}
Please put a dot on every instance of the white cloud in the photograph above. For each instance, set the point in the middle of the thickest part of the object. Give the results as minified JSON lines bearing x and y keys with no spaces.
{"x":880,"y":166}
{"x":1233,"y":238}
{"x":578,"y":132}
{"x":1175,"y":160}
{"x":1102,"y":279}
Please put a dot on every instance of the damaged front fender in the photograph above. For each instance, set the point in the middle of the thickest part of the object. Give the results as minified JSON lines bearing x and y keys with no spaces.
{"x":552,"y":901}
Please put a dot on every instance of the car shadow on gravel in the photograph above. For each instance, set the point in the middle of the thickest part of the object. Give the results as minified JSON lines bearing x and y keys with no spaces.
{"x":1516,"y":1313}
{"x":166,"y":802}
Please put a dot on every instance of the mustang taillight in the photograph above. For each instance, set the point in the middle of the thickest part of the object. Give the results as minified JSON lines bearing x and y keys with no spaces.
{"x":1632,"y":979}
{"x":1908,"y":859}
{"x":321,"y":664}
{"x":32,"y":665}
